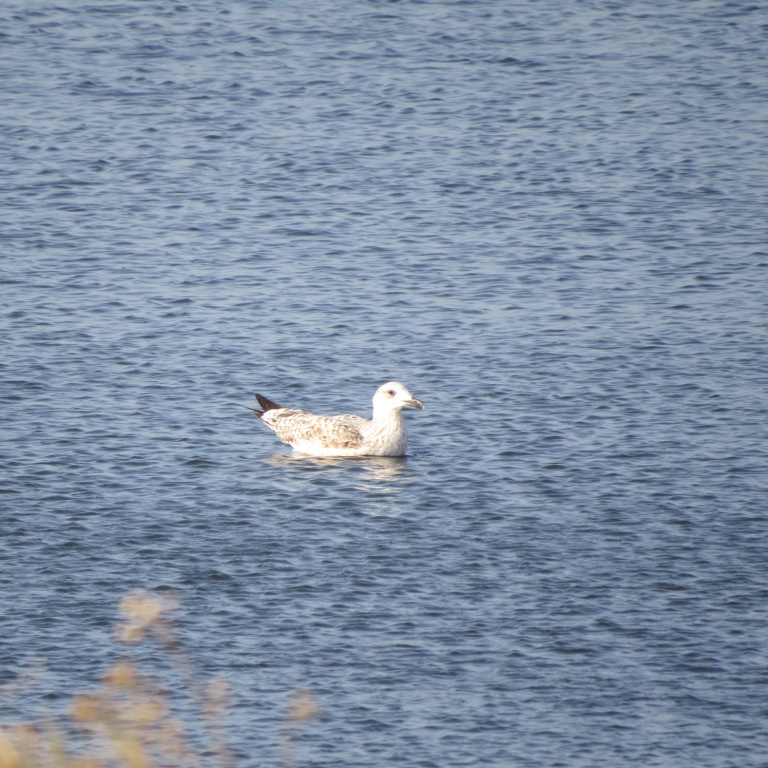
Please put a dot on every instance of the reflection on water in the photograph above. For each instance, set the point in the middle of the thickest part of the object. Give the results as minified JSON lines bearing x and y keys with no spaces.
{"x":378,"y":479}
{"x":379,"y":468}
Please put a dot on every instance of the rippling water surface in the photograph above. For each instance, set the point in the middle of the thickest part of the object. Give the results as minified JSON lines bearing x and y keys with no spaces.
{"x":547,"y":220}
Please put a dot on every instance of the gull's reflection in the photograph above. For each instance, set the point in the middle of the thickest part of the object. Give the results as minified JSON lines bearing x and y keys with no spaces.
{"x":376,"y":480}
{"x":380,"y":468}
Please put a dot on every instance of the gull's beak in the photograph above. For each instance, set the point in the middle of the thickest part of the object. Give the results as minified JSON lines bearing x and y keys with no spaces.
{"x":414,"y":403}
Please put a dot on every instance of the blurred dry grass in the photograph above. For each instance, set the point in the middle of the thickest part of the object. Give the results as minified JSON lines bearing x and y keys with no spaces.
{"x":132,"y":720}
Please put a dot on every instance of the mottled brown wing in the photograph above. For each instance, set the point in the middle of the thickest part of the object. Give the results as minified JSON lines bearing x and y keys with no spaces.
{"x":294,"y":426}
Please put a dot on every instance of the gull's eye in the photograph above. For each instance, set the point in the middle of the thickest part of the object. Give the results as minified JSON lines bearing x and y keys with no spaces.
{"x":391,"y":392}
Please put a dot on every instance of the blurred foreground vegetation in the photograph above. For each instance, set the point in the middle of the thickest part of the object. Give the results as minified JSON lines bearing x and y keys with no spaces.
{"x":134,"y":720}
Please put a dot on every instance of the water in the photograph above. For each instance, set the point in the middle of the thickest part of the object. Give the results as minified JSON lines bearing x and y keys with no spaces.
{"x":548,"y":221}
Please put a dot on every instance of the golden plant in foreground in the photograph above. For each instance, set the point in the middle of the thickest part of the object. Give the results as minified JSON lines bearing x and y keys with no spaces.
{"x":129,"y":720}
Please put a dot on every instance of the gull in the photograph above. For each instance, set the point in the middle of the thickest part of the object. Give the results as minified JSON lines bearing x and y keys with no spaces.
{"x":345,"y":435}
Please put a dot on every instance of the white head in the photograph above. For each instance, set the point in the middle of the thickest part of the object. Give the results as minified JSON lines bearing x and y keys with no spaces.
{"x":393,"y":397}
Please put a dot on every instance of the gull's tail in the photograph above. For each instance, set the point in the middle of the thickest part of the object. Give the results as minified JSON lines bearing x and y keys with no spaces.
{"x":266,"y":404}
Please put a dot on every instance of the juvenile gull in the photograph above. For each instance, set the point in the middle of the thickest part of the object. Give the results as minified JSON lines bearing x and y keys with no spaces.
{"x":345,"y":435}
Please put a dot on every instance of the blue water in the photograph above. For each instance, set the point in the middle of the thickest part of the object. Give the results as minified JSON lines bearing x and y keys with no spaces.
{"x":547,"y":220}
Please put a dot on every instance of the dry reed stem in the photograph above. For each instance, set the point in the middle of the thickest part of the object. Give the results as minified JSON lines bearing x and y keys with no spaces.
{"x":127,"y":722}
{"x":303,"y":708}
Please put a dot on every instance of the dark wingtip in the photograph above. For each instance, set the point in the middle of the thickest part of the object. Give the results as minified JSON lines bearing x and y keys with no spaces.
{"x":266,"y":404}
